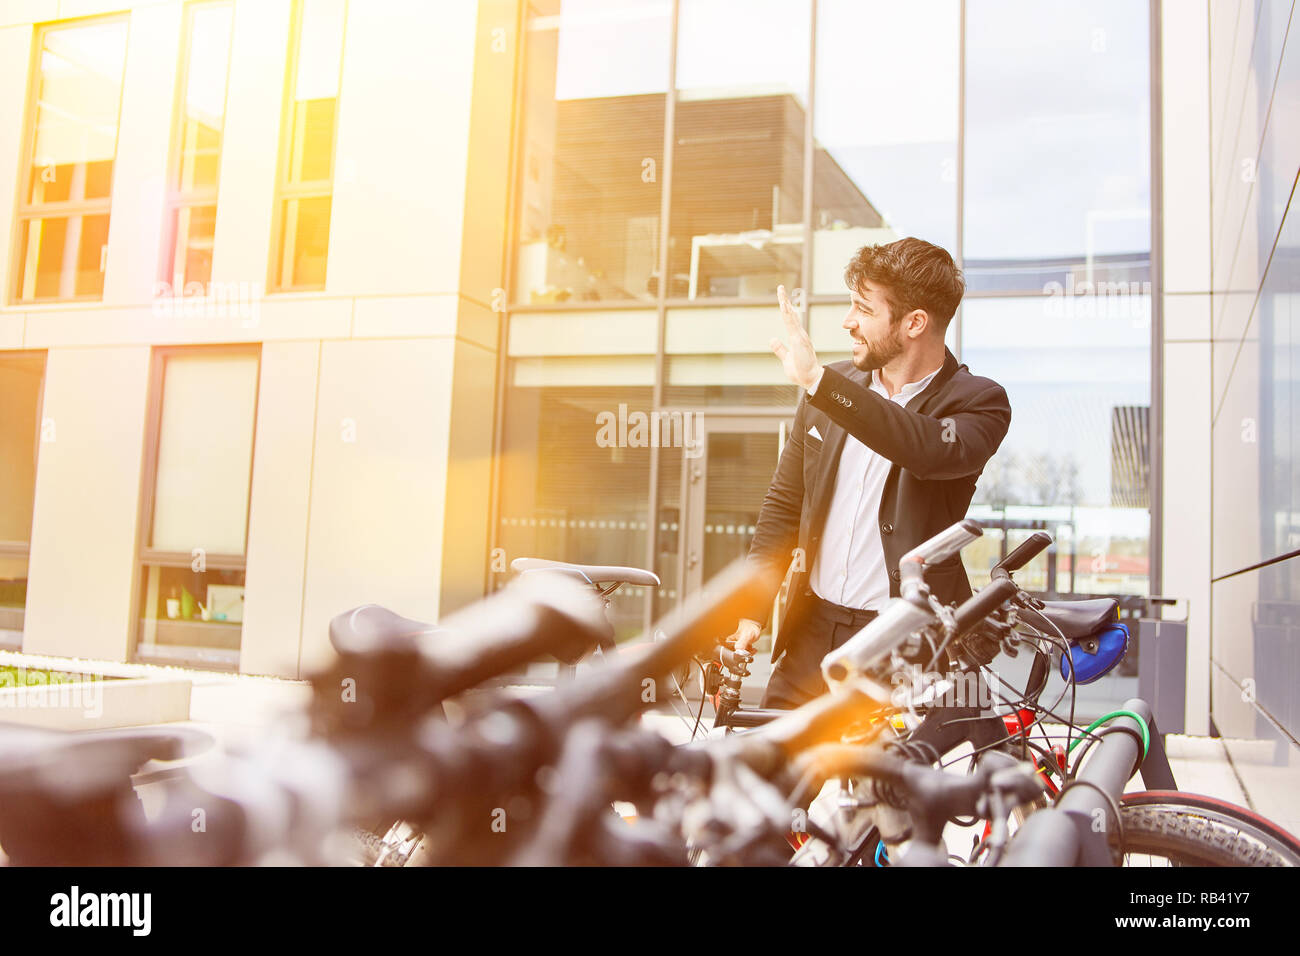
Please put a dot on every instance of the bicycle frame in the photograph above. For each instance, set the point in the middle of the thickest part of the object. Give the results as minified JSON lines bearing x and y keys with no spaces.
{"x":1067,"y":833}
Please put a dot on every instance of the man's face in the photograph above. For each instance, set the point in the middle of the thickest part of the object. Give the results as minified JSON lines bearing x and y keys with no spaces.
{"x":876,"y":340}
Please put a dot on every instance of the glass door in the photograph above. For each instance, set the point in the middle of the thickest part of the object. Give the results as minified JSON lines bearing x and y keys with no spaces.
{"x":723,"y":481}
{"x":715,"y":505}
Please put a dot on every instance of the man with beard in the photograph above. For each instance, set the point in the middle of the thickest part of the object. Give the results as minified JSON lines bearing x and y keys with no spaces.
{"x":884,"y":453}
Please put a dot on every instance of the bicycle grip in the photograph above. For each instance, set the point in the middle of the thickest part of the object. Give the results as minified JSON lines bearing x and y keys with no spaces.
{"x":944,"y":544}
{"x":1023,"y":554}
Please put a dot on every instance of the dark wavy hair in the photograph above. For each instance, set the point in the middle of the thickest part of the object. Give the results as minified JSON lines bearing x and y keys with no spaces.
{"x":914,"y":274}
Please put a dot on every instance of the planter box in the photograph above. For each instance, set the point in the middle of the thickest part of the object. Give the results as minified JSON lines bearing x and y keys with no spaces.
{"x":97,"y":704}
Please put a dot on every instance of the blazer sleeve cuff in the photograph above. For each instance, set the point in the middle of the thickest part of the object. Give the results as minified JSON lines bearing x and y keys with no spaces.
{"x":832,"y":393}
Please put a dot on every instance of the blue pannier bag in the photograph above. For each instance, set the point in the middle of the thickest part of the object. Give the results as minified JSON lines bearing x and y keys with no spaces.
{"x":1097,"y":655}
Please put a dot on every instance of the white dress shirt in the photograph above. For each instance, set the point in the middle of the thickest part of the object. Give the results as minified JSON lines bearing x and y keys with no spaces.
{"x":849,"y":569}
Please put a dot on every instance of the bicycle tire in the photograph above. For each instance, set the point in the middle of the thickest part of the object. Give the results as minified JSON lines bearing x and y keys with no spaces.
{"x":1186,"y":829}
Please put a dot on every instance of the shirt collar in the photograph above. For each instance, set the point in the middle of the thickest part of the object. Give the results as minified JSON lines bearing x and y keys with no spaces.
{"x":908,"y":390}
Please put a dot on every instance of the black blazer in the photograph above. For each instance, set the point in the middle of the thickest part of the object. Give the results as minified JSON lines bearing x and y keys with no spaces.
{"x":938,"y":447}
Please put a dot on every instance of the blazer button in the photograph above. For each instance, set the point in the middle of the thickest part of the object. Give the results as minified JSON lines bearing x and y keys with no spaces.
{"x":887,"y":528}
{"x":895,"y":575}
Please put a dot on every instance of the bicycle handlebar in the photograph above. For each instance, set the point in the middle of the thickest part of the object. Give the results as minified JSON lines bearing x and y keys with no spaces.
{"x":1022,"y":555}
{"x":942,"y":546}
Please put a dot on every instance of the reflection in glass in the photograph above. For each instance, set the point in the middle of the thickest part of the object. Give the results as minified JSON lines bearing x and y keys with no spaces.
{"x":73,"y":149}
{"x":886,"y":133}
{"x":1248,"y":216}
{"x":1257,"y":419}
{"x":311,"y":153}
{"x":738,"y":466}
{"x":306,"y":185}
{"x":77,"y":109}
{"x":736,"y":226}
{"x":48,"y":270}
{"x":594,"y":100}
{"x":193,"y":231}
{"x":1255,"y":632}
{"x":569,"y":494}
{"x":315,"y":91}
{"x":306,"y":232}
{"x":191,"y":219}
{"x":204,"y":103}
{"x":1057,"y":161}
{"x":721,"y":356}
{"x":1074,"y":463}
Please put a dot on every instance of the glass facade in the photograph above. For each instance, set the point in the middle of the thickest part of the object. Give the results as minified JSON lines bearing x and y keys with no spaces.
{"x":1057,"y":151}
{"x":593,"y":141}
{"x":673,"y":172}
{"x":1255,"y":642}
{"x":887,"y":163}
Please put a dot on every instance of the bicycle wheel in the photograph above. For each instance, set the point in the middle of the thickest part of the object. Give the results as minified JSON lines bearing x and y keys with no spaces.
{"x":1168,"y":828}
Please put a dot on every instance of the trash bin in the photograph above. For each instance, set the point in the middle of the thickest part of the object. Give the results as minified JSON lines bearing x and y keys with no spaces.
{"x":1162,"y":670}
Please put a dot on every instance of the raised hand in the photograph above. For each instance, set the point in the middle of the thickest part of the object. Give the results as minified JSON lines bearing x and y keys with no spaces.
{"x":799,"y":360}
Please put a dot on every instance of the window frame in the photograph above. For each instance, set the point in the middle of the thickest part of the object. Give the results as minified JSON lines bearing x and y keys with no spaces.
{"x":25,"y":211}
{"x":177,"y":197}
{"x":153,"y":436}
{"x":146,"y":556}
{"x":287,"y":189}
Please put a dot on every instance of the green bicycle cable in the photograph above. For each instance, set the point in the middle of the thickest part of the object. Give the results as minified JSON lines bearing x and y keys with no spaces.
{"x":1146,"y":732}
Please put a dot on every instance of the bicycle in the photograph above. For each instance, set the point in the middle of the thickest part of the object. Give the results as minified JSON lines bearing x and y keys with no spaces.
{"x":1160,"y":822}
{"x":554,"y":763}
{"x":398,"y":843}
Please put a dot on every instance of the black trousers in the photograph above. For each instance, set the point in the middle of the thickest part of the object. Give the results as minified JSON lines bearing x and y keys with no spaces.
{"x":817,"y":628}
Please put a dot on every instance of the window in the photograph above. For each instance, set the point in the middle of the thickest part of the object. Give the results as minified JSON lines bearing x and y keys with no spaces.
{"x":1056,"y":249}
{"x":567,"y":494}
{"x":196,"y":504}
{"x":64,"y":209}
{"x":306,"y":178}
{"x":736,"y":225}
{"x":594,"y":100}
{"x":884,"y":166}
{"x":21,"y":378}
{"x":1077,"y":374}
{"x":1057,"y":167}
{"x":196,"y":152}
